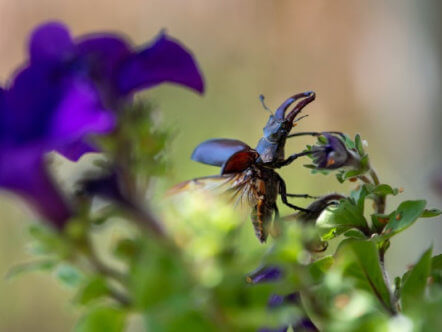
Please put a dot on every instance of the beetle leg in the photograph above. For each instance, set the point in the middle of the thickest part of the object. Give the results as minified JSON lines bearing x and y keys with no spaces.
{"x":275,"y":207}
{"x":301,"y":196}
{"x":275,"y":228}
{"x":283,"y":193}
{"x":291,"y":158}
{"x":313,"y":133}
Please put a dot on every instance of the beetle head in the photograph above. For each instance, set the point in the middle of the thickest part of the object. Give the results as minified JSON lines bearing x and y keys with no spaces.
{"x":279,"y":125}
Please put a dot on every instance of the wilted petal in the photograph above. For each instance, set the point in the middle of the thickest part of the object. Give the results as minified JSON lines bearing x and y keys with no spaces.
{"x":22,"y":171}
{"x":164,"y":61}
{"x":50,"y":42}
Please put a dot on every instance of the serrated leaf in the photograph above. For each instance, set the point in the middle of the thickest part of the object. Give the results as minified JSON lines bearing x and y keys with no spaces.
{"x":366,"y":257}
{"x":413,"y":289}
{"x":404,"y":216}
{"x":102,"y":319}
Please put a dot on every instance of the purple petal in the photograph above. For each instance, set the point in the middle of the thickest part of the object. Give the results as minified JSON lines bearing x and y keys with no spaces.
{"x":22,"y":171}
{"x":103,"y":53}
{"x":275,"y":301}
{"x":31,"y":101}
{"x":2,"y":113}
{"x":164,"y":61}
{"x":270,"y":273}
{"x":75,"y":150}
{"x":50,"y":42}
{"x":305,"y":324}
{"x":80,"y":113}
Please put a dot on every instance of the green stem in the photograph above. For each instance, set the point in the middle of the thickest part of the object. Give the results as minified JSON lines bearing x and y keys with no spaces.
{"x":380,"y":200}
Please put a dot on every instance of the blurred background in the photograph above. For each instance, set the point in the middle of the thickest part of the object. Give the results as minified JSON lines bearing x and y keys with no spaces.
{"x":375,"y":66}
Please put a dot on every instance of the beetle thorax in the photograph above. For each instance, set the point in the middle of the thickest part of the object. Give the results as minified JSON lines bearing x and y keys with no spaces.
{"x":271,"y":146}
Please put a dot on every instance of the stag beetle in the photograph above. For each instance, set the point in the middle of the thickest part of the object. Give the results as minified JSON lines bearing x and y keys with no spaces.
{"x":249,"y":174}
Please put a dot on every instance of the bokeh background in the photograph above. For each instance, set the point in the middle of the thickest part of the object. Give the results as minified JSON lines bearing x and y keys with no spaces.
{"x":375,"y":66}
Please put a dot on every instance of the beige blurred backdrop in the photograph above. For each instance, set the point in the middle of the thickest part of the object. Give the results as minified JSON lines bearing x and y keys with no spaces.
{"x":375,"y":66}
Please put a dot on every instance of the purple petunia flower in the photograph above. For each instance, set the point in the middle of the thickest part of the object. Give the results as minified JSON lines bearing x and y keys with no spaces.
{"x":334,"y":154}
{"x":40,"y":112}
{"x":69,"y":89}
{"x":116,"y":67}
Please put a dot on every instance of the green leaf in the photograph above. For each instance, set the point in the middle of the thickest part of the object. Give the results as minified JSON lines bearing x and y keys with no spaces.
{"x":404,"y":216}
{"x":170,"y":320}
{"x":318,"y":268}
{"x":364,"y":166}
{"x":430,"y":213}
{"x":93,"y":289}
{"x":340,"y":176}
{"x":359,"y":196}
{"x":436,"y":263}
{"x":384,"y":190}
{"x":348,"y":142}
{"x":102,"y":319}
{"x":367,"y":268}
{"x":49,"y":241}
{"x":41,"y":265}
{"x":355,"y":234}
{"x":359,"y":145}
{"x":436,"y":269}
{"x":347,"y":215}
{"x":322,"y":140}
{"x":157,"y":275}
{"x":379,"y":221}
{"x":69,"y":275}
{"x":413,"y":289}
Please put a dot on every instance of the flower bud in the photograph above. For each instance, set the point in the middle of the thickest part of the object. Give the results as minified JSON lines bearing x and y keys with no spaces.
{"x":334,"y":154}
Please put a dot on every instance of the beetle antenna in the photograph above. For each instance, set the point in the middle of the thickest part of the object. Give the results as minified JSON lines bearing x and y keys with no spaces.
{"x":302,"y":117}
{"x":261,"y":98}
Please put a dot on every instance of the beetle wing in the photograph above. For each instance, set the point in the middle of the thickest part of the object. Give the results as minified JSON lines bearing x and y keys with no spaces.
{"x":240,"y":161}
{"x":217,"y":151}
{"x":237,"y":188}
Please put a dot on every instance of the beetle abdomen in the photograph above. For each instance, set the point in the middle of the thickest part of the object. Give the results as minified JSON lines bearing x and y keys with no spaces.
{"x":261,"y":217}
